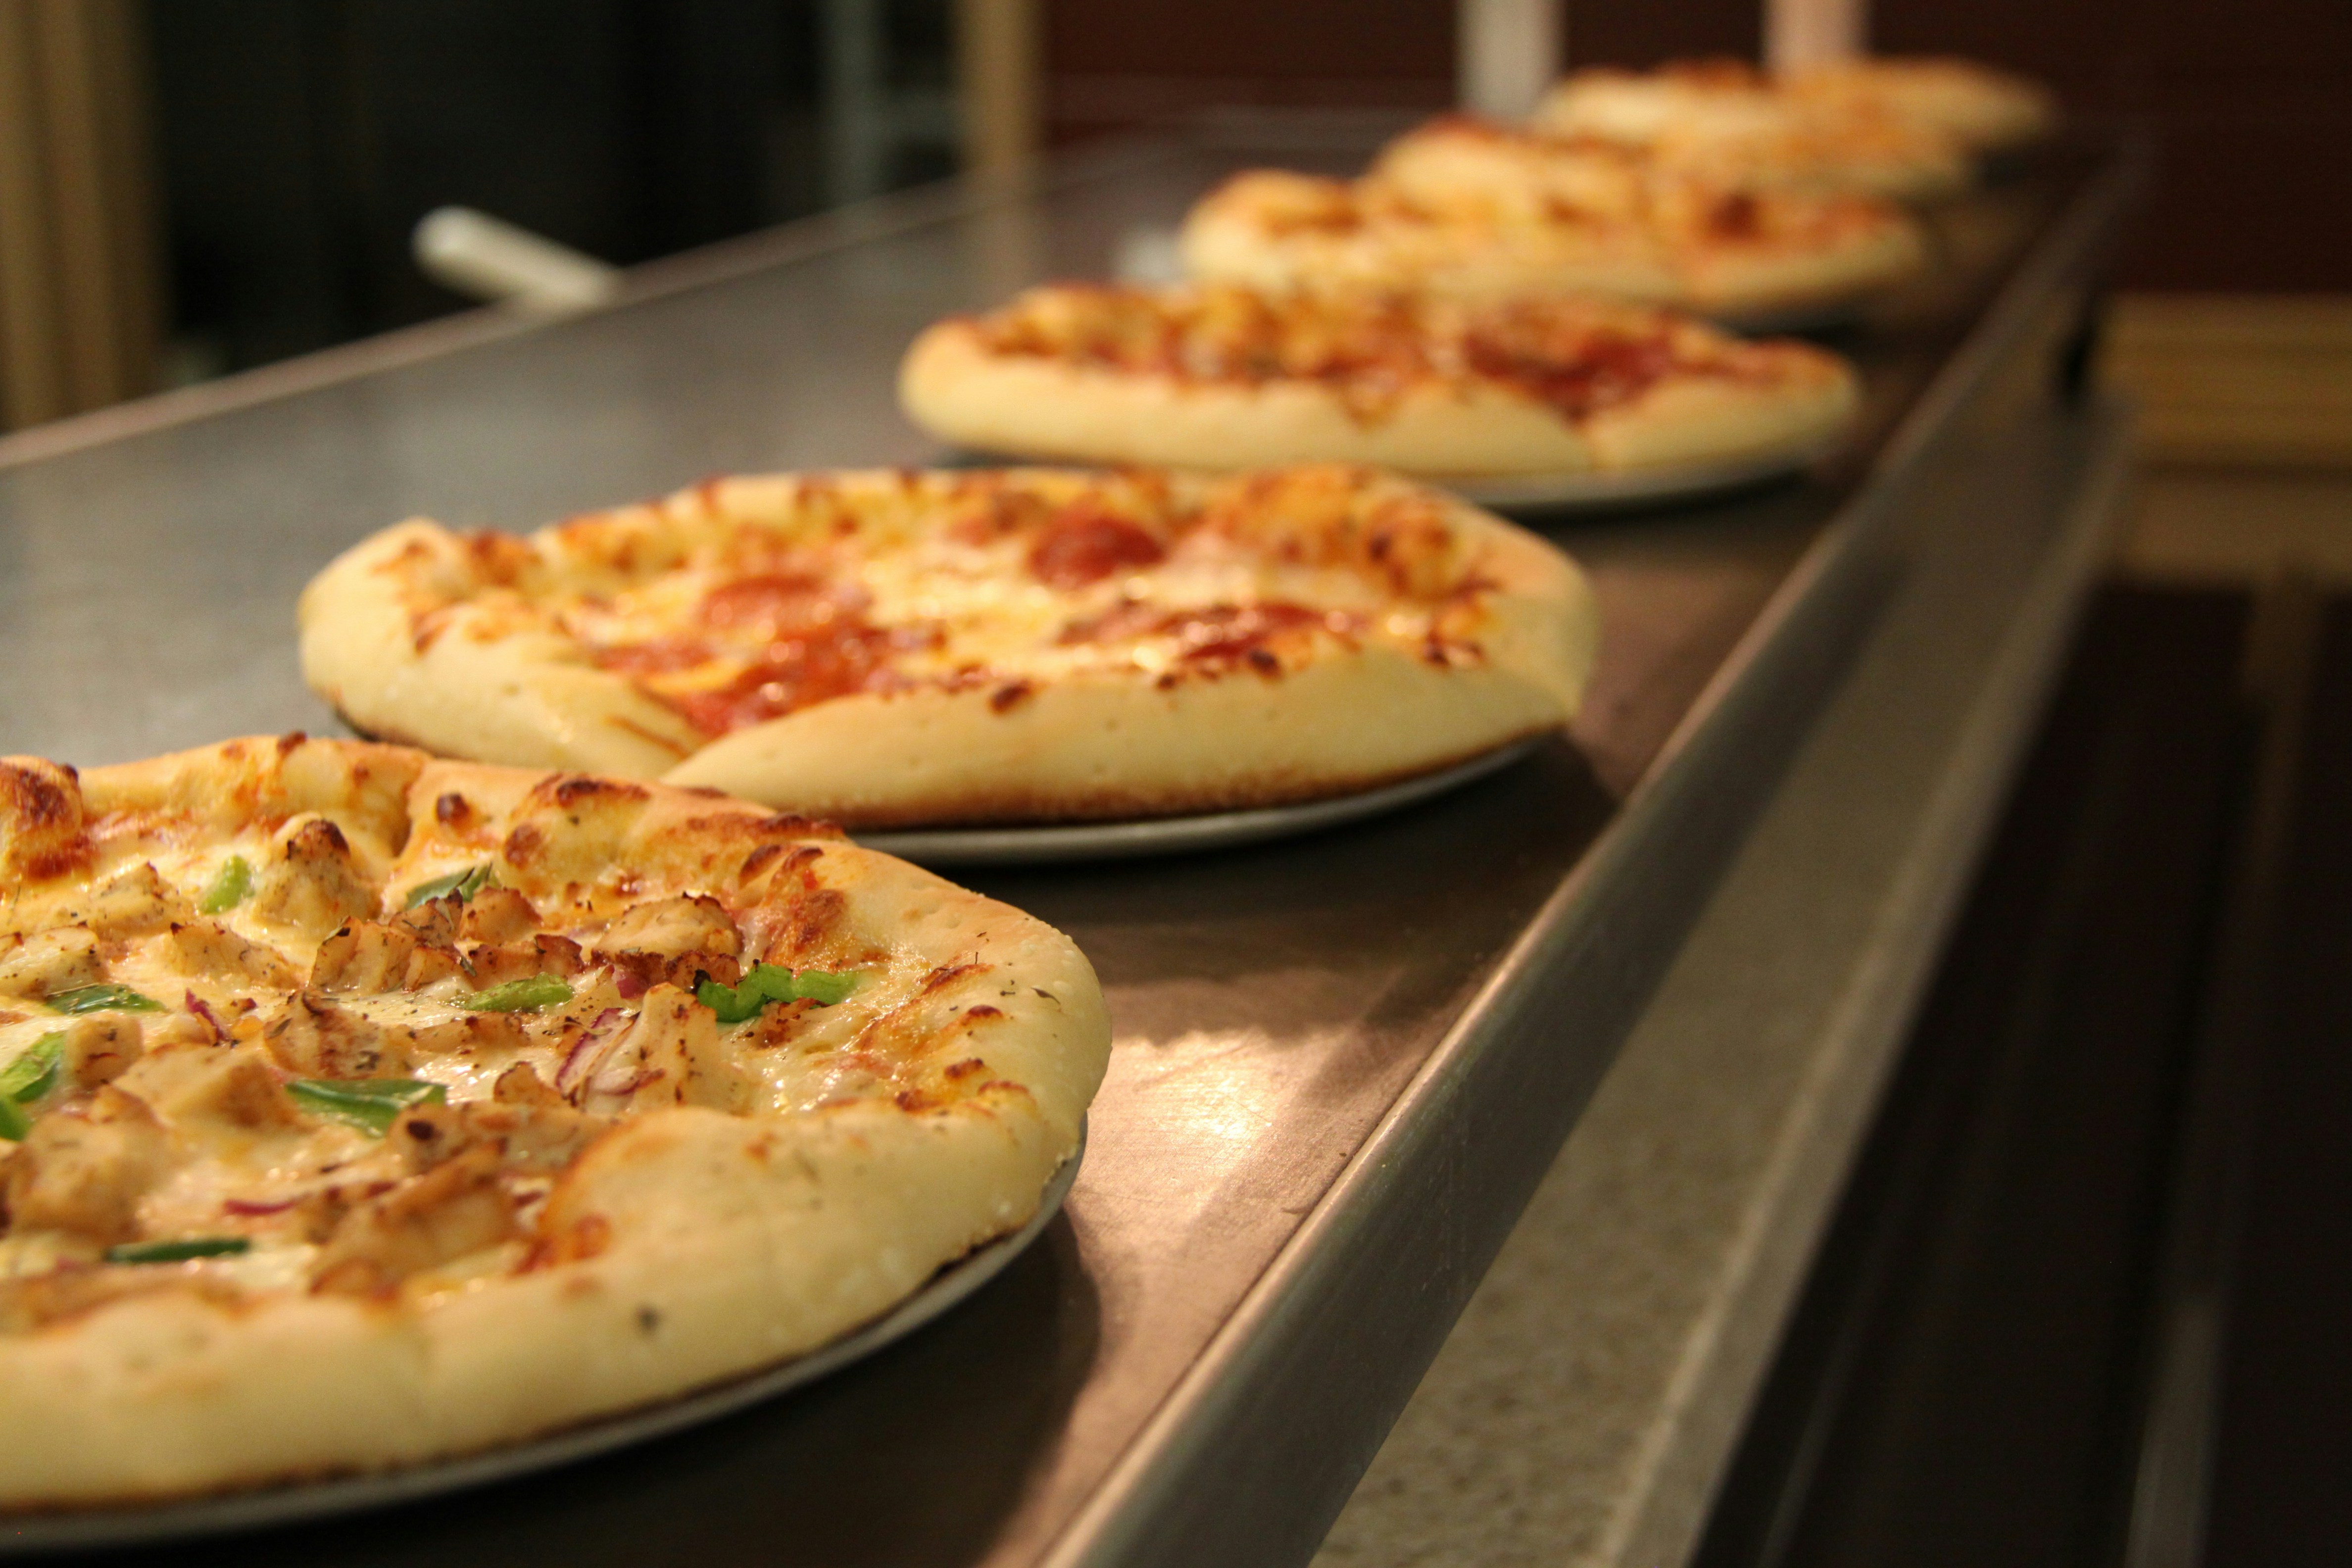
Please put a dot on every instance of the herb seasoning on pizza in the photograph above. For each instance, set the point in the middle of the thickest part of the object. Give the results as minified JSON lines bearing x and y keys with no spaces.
{"x":1218,"y":375}
{"x":892,"y":648}
{"x":358,"y":1110}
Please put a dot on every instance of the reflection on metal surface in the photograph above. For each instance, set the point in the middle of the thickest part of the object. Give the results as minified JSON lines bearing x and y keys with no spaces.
{"x":1625,"y":488}
{"x":1052,"y":843}
{"x":1273,"y":1004}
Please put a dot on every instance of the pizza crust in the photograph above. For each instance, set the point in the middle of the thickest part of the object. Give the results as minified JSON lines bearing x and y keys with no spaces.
{"x":952,"y":386}
{"x":1100,"y":749}
{"x":481,"y":676}
{"x":1101,"y":745}
{"x":729,"y":1242}
{"x":1039,"y":408}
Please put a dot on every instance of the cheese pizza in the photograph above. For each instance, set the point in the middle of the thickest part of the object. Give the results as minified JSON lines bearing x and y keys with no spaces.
{"x":1982,"y":108}
{"x":1609,"y":226}
{"x":1725,"y":121}
{"x":1222,"y":376}
{"x":358,"y":1110}
{"x":1028,"y":646}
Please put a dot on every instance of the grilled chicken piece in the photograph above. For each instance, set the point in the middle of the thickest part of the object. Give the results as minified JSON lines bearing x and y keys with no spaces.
{"x":84,"y":1168}
{"x":313,"y":883}
{"x":669,"y":1055}
{"x":209,"y":948}
{"x":366,"y":957}
{"x":137,"y":902}
{"x":497,"y":916}
{"x":690,"y":922}
{"x":50,"y":962}
{"x":454,"y":1208}
{"x":311,"y":1037}
{"x":99,"y":1046}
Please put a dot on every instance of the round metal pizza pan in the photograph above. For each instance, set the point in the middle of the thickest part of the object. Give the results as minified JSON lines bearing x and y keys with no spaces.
{"x":1624,"y":489}
{"x":1177,"y":834}
{"x":316,"y":1499}
{"x":1811,"y":316}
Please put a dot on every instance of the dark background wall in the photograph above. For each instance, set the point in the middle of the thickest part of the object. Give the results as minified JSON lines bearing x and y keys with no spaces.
{"x":302,"y":140}
{"x":2252,"y":99}
{"x":299,"y":140}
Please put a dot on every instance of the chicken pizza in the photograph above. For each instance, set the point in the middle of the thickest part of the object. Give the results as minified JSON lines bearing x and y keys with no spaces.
{"x":359,"y":1110}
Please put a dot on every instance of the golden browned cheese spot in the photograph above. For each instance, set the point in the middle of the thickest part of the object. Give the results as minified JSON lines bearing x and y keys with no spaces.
{"x":569,"y":828}
{"x":813,"y":920}
{"x":1369,"y":350}
{"x":572,"y":792}
{"x":84,"y":1169}
{"x":41,"y":828}
{"x":588,"y":1235}
{"x":453,"y":811}
{"x":947,"y":975}
{"x":776,"y":1026}
{"x":497,"y":558}
{"x":523,"y":844}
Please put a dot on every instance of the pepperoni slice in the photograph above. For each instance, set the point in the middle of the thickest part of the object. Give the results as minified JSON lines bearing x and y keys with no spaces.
{"x":1604,"y":370}
{"x":1085,"y":544}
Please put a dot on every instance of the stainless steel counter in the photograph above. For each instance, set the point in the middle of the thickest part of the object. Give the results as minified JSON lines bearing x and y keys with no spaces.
{"x":1343,"y":1063}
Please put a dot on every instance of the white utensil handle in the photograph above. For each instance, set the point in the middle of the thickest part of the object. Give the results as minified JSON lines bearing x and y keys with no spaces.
{"x":489,"y":258}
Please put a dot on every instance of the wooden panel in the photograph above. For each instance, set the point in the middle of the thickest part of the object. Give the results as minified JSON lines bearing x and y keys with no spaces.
{"x":78,"y":290}
{"x":1626,"y":32}
{"x":2264,"y":379}
{"x":1115,"y":66}
{"x":2235,"y":526}
{"x":997,"y":73}
{"x":1957,"y":1384}
{"x":2253,"y":104}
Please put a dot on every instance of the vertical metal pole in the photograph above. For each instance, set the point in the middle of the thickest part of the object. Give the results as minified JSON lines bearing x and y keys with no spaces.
{"x":999,"y":63}
{"x":1815,"y":32}
{"x":1506,"y":53}
{"x":856,"y":133}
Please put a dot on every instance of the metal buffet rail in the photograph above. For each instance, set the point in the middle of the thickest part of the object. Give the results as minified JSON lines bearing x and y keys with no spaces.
{"x":1344,"y":1061}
